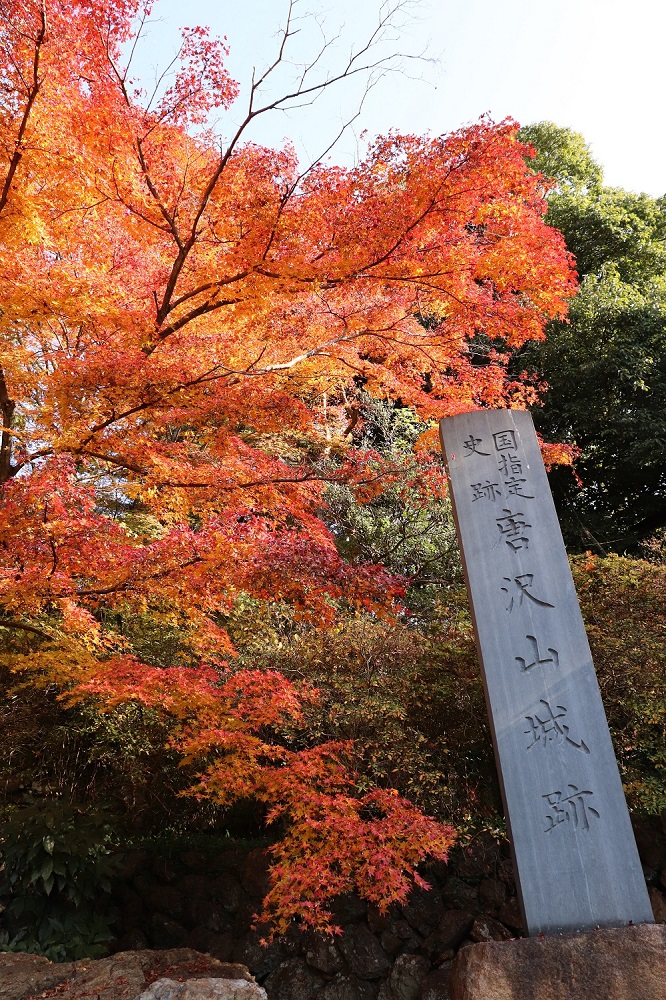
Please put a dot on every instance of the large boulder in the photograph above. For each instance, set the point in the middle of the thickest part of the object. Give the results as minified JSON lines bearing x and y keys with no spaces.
{"x":366,"y":957}
{"x":119,"y":977}
{"x":203,"y":989}
{"x":623,"y":963}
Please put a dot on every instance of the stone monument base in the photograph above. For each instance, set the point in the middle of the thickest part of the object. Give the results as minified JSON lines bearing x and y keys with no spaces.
{"x":619,"y":963}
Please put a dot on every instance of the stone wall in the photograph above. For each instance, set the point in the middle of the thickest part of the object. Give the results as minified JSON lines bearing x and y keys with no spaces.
{"x":206,"y":900}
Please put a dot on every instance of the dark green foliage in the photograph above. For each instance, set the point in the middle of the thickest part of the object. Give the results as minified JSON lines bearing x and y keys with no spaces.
{"x":606,"y":369}
{"x":57,"y":866}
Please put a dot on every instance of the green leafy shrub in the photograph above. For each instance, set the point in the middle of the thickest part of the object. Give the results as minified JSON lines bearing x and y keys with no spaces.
{"x":624,"y":607}
{"x":57,"y":867}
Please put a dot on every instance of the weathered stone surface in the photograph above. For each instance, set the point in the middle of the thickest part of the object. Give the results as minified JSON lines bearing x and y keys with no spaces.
{"x":423,"y":910}
{"x":366,"y":957}
{"x":206,"y":913}
{"x":135,"y":940}
{"x":203,"y":989}
{"x":120,"y":977}
{"x":460,"y":895}
{"x":260,"y":959}
{"x":194,"y":885}
{"x":437,"y":985}
{"x":626,"y":963}
{"x":255,"y":873}
{"x":322,"y":954}
{"x":510,"y":915}
{"x":164,"y":899}
{"x":346,"y":987}
{"x":378,"y":921}
{"x":651,"y":841}
{"x":658,"y":903}
{"x":227,"y":892}
{"x":21,"y":975}
{"x":166,"y":933}
{"x":220,"y":946}
{"x":487,"y":929}
{"x":132,"y":862}
{"x":390,"y":942}
{"x":348,"y":909}
{"x":452,"y":928}
{"x":164,"y":868}
{"x":406,"y":976}
{"x":294,"y":980}
{"x":492,"y":894}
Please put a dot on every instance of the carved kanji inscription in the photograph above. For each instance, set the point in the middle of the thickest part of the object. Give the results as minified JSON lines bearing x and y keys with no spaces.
{"x":575,"y":857}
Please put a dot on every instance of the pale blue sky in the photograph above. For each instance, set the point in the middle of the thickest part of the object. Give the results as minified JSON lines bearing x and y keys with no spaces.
{"x":593,"y":65}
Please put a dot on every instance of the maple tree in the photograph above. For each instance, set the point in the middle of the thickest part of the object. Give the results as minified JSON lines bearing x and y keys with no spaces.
{"x":175,"y":308}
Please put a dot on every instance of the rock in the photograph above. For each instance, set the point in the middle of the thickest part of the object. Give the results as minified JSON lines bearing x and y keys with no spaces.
{"x":399,"y":936}
{"x":261,"y":959}
{"x":487,"y":929}
{"x":196,"y":861}
{"x":349,"y":909}
{"x":294,"y":980}
{"x":255,"y":877}
{"x":205,"y":913}
{"x":452,"y":928}
{"x":165,"y":933}
{"x":366,"y":957}
{"x":481,"y":857}
{"x":163,"y":899}
{"x":345,"y":987}
{"x":510,"y":915}
{"x":133,"y":939}
{"x":231,"y":860}
{"x":119,"y":977}
{"x":460,"y":895}
{"x":21,"y":975}
{"x":650,"y":840}
{"x":437,"y":985}
{"x":423,"y":910}
{"x":133,"y":862}
{"x":390,"y":942}
{"x":506,"y":873}
{"x":322,"y":954}
{"x":244,"y":915}
{"x":227,"y":891}
{"x":341,"y":988}
{"x":220,"y":946}
{"x":127,"y":897}
{"x":195,"y":886}
{"x":377,"y":921}
{"x":203,"y":989}
{"x":658,"y":904}
{"x":625,"y":963}
{"x":406,"y":976}
{"x":164,"y":868}
{"x":492,"y":894}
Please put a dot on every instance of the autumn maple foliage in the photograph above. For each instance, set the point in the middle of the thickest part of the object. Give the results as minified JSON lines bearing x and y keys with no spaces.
{"x":175,"y":308}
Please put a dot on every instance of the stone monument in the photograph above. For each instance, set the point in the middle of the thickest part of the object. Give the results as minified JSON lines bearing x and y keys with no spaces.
{"x":575,"y":857}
